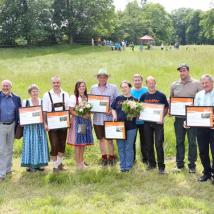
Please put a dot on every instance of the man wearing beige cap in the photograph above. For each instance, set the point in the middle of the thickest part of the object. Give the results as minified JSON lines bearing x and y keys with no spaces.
{"x":185,"y":87}
{"x":105,"y":89}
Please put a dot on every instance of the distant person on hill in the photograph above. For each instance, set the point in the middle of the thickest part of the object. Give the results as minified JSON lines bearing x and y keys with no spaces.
{"x":132,"y":46}
{"x":154,"y":132}
{"x":9,"y":119}
{"x":137,"y":91}
{"x":104,"y":88}
{"x":35,"y":154}
{"x":53,"y":101}
{"x":185,"y":87}
{"x":205,"y":136}
{"x":162,"y":46}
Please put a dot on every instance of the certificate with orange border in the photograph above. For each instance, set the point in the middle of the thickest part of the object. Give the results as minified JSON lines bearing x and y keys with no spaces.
{"x":115,"y":130}
{"x":152,"y":112}
{"x":30,"y":115}
{"x":100,"y":104}
{"x":199,"y":116}
{"x":178,"y":105}
{"x":58,"y":120}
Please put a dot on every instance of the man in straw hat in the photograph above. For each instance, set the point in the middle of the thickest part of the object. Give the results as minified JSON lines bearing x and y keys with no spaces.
{"x":104,"y":88}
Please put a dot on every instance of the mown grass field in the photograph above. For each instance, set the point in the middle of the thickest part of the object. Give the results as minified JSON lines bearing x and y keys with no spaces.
{"x":98,"y":190}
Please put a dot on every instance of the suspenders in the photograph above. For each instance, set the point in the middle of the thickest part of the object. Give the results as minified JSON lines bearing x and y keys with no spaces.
{"x":57,"y":105}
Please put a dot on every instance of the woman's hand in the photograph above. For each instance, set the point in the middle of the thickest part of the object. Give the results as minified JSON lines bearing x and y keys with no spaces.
{"x":86,"y":116}
{"x":46,"y":127}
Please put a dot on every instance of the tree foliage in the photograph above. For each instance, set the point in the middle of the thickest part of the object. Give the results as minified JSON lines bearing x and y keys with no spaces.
{"x":53,"y":21}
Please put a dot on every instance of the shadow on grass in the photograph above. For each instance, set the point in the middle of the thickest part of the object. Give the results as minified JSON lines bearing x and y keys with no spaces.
{"x":28,"y":52}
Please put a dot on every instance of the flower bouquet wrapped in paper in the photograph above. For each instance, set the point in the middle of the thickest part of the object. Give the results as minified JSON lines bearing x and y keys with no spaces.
{"x":131,"y":108}
{"x":83,"y":108}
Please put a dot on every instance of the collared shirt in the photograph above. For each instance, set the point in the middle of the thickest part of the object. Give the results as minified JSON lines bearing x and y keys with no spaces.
{"x":204,"y":99}
{"x":57,"y":98}
{"x":137,"y":95}
{"x":109,"y":90}
{"x":8,"y":109}
{"x":186,"y":88}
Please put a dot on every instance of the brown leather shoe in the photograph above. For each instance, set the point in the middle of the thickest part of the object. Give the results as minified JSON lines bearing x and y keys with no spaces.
{"x":61,"y":167}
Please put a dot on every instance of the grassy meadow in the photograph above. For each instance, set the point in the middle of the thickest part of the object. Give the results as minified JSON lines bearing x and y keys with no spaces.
{"x":97,"y":189}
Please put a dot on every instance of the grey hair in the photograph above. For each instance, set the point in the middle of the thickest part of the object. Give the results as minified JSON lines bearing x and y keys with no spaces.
{"x":55,"y":78}
{"x":32,"y":87}
{"x":6,"y":81}
{"x":209,"y":77}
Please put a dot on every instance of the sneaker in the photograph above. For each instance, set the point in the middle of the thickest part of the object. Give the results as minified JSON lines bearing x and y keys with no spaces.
{"x":204,"y":178}
{"x":177,"y":169}
{"x":61,"y":167}
{"x":192,"y":170}
{"x":162,"y":171}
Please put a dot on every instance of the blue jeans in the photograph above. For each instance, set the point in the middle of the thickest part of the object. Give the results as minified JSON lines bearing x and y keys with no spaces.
{"x":126,"y":151}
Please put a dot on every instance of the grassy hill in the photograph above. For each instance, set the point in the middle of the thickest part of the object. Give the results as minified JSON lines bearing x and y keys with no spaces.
{"x":98,"y":190}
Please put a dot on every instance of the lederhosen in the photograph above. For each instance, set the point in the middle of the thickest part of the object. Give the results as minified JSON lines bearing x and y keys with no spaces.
{"x":57,"y":137}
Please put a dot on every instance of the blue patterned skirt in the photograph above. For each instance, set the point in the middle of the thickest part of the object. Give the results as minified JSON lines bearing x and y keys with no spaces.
{"x":80,"y":133}
{"x":35,"y":151}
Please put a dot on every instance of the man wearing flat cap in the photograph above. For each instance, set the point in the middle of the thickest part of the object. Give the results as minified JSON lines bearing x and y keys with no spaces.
{"x":104,"y":88}
{"x":185,"y":87}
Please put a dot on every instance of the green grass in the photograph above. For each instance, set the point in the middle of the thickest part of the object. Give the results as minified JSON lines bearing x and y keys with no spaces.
{"x":98,"y":190}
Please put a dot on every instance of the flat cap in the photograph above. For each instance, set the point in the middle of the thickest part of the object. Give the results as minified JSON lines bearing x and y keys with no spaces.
{"x":183,"y":66}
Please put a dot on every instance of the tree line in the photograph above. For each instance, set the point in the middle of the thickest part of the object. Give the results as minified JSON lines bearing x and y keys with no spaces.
{"x":35,"y":22}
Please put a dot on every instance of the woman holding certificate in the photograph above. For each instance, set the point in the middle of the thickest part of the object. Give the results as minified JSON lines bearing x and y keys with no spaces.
{"x":80,"y":133}
{"x":35,"y":144}
{"x":125,"y":147}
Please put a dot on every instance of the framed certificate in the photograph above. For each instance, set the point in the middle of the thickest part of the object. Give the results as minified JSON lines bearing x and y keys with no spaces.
{"x":100,"y":104}
{"x":178,"y":105}
{"x":199,"y":116}
{"x":115,"y":130}
{"x":152,"y":112}
{"x":30,"y":115}
{"x":58,"y":120}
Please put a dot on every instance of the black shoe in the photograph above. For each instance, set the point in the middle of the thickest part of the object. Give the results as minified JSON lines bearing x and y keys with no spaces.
{"x":162,"y":171}
{"x":30,"y":169}
{"x":204,"y":178}
{"x":104,"y":162}
{"x":192,"y":170}
{"x":112,"y":162}
{"x":150,"y":167}
{"x":40,"y":169}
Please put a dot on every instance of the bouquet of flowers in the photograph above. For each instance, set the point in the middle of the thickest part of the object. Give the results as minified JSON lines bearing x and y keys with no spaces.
{"x":131,"y":108}
{"x":83,"y":108}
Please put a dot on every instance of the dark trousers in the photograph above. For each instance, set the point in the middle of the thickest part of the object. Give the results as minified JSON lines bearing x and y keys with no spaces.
{"x":57,"y":139}
{"x":180,"y":133}
{"x":140,"y":128}
{"x":205,"y":137}
{"x":154,"y":134}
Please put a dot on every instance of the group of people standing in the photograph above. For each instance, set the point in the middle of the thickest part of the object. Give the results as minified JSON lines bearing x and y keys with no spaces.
{"x":35,"y":152}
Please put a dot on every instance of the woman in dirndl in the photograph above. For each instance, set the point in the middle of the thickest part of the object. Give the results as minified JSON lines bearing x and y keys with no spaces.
{"x":80,"y":133}
{"x":35,"y":154}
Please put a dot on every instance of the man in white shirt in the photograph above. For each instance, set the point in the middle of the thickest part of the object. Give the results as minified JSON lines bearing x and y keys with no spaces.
{"x":205,"y":136}
{"x":56,"y":100}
